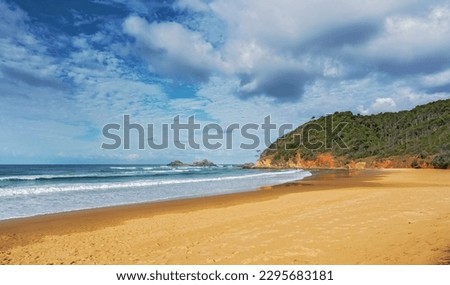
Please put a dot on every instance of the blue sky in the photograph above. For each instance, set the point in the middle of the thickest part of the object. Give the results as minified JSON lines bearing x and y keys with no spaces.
{"x":67,"y":68}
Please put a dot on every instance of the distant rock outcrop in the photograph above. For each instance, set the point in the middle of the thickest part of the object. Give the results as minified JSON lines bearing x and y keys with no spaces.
{"x":247,"y":165}
{"x":177,"y":163}
{"x":201,"y":163}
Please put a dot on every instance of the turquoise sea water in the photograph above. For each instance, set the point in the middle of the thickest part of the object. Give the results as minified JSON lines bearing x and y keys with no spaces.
{"x":28,"y":190}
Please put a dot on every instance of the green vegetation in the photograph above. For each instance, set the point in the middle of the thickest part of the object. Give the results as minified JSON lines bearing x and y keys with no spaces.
{"x":441,"y":161}
{"x":423,"y":133}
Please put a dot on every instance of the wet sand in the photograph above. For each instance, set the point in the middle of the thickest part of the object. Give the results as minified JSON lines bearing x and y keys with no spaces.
{"x":373,"y":217}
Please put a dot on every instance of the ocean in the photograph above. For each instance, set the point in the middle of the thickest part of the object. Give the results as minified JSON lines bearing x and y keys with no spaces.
{"x":29,"y":190}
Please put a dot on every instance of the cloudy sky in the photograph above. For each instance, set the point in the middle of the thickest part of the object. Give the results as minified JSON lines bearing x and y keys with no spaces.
{"x":67,"y":68}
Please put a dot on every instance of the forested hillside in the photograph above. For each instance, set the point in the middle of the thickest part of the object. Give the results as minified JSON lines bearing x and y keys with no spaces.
{"x":415,"y":138}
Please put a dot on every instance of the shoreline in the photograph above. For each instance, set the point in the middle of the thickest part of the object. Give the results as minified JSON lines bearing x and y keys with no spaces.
{"x":163,"y":201}
{"x":169,"y":232}
{"x":124,"y":212}
{"x":51,"y":190}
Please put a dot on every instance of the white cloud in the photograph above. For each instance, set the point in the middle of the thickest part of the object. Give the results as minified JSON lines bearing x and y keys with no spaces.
{"x":267,"y":44}
{"x":406,"y":37}
{"x":384,"y":104}
{"x":11,"y":17}
{"x":280,"y":50}
{"x":289,"y":22}
{"x":247,"y":59}
{"x":136,"y":6}
{"x":173,"y":50}
{"x":436,"y":79}
{"x":193,"y":5}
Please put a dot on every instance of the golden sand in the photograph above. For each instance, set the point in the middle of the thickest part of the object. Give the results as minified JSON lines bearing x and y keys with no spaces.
{"x":377,"y":217}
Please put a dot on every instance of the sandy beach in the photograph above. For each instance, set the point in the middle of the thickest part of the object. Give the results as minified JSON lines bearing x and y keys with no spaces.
{"x":399,"y":216}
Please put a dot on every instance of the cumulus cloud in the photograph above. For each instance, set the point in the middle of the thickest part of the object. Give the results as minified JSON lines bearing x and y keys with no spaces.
{"x":383,"y":104}
{"x":289,"y":23}
{"x":406,"y":37}
{"x":282,"y":83}
{"x":279,"y":49}
{"x":411,"y":44}
{"x":437,"y":82}
{"x":154,"y":60}
{"x":173,"y":50}
{"x":437,"y":79}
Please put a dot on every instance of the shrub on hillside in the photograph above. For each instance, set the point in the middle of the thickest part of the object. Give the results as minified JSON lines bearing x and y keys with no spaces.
{"x":441,"y":161}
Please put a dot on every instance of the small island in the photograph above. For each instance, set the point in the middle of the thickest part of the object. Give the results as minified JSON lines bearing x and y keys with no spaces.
{"x":200,"y":163}
{"x":203,"y":163}
{"x":177,"y":163}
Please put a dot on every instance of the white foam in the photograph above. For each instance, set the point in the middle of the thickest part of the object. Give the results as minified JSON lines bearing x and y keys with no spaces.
{"x":123,"y":167}
{"x":34,"y":190}
{"x":144,"y":171}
